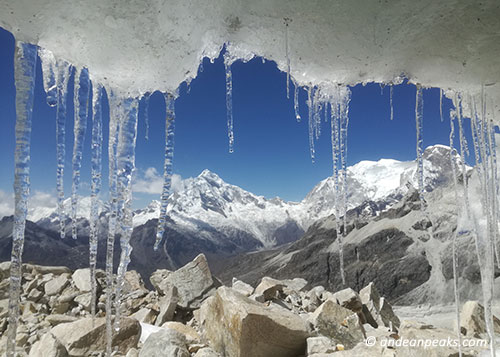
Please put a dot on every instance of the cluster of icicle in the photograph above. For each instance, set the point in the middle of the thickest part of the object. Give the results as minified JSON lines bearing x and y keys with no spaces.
{"x":88,"y":99}
{"x":328,"y":101}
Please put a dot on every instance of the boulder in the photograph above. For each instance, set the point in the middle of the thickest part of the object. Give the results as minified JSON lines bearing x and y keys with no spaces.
{"x":338,"y":323}
{"x":376,"y":310}
{"x":48,"y":346}
{"x":206,"y":352}
{"x":157,"y":277}
{"x":145,"y":315}
{"x":242,"y":287}
{"x":269,"y":288}
{"x":81,"y":339}
{"x":320,"y":344}
{"x":238,"y":326}
{"x":193,"y":281}
{"x":56,"y":319}
{"x":133,"y":282}
{"x":81,"y":278}
{"x":189,"y":333}
{"x":387,"y":315}
{"x":84,"y":300}
{"x":295,"y":284}
{"x":167,"y":304}
{"x":349,"y":299}
{"x":55,"y":285}
{"x":165,"y":343}
{"x":472,"y":322}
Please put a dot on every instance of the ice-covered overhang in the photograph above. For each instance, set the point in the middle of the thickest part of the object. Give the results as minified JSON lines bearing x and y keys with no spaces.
{"x":140,"y":46}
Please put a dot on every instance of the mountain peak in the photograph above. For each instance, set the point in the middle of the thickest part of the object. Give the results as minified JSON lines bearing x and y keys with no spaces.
{"x":209,"y":175}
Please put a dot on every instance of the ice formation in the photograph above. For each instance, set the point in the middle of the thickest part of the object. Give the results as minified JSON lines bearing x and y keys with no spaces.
{"x":81,"y":99}
{"x":167,"y":166}
{"x":24,"y":72}
{"x":331,"y":47}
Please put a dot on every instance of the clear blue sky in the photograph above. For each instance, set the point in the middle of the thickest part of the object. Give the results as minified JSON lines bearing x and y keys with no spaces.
{"x":271,"y":155}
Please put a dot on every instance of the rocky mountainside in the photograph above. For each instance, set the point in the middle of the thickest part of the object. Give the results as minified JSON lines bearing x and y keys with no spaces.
{"x":407,"y":256}
{"x":190,"y":313}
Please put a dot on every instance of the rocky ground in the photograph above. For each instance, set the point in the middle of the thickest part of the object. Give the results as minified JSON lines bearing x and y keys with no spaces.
{"x":190,"y":313}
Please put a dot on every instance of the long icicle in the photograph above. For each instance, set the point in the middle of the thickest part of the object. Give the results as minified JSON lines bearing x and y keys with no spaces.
{"x":455,"y":235}
{"x":125,"y":167}
{"x":63,"y":73}
{"x":310,"y":104}
{"x":81,"y":100}
{"x":441,"y":104}
{"x":146,"y":115}
{"x":419,"y":107}
{"x":114,"y":125}
{"x":296,"y":101}
{"x":167,"y":166}
{"x":24,"y":73}
{"x":96,"y":184}
{"x":229,"y":100}
{"x":287,"y":54}
{"x":390,"y":100}
{"x":344,"y":100}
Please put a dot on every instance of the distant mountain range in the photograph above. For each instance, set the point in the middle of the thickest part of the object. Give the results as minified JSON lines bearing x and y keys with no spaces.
{"x":221,"y":220}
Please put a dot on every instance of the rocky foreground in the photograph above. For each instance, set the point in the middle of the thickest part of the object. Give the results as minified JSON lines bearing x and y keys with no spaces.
{"x":190,"y":313}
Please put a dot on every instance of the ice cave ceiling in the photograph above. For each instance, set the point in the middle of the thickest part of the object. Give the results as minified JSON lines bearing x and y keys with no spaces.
{"x":140,"y":46}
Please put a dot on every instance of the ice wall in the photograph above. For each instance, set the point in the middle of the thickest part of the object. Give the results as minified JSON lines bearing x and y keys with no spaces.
{"x":139,"y":47}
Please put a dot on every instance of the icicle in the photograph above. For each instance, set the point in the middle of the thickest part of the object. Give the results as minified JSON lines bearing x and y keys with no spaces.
{"x":146,"y":113}
{"x":96,"y":172}
{"x":419,"y":107}
{"x":441,"y":104}
{"x":311,"y":124}
{"x":390,"y":100}
{"x":382,"y":86}
{"x":114,"y":125}
{"x":63,"y":73}
{"x":229,"y":101}
{"x":317,"y":112}
{"x":49,"y":75}
{"x":454,"y":243}
{"x":296,"y":101}
{"x":125,"y":153}
{"x":167,"y":167}
{"x":81,"y":99}
{"x":287,"y":52}
{"x":24,"y":72}
{"x":457,"y":102}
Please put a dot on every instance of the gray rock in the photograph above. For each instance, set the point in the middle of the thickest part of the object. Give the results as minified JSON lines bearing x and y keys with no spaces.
{"x":168,"y":304}
{"x":145,"y":315}
{"x":132,"y":353}
{"x":193,"y":281}
{"x":192,"y":337}
{"x":472,"y":322}
{"x":133,"y":282}
{"x":84,"y":300}
{"x":165,"y":343}
{"x":56,"y":319}
{"x":320,"y":344}
{"x":338,"y":323}
{"x":48,"y":346}
{"x":57,"y":284}
{"x":269,"y":288}
{"x":206,"y":352}
{"x":242,"y":287}
{"x":81,"y":278}
{"x":237,"y":326}
{"x":34,"y":295}
{"x":349,"y":299}
{"x":81,"y":339}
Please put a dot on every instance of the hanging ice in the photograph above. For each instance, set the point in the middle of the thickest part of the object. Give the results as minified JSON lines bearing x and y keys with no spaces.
{"x":63,"y":73}
{"x":49,"y":75}
{"x":114,"y":125}
{"x":229,"y":100}
{"x":125,"y":161}
{"x":81,"y":100}
{"x":441,"y":104}
{"x":24,"y":71}
{"x":419,"y":108}
{"x":167,"y":167}
{"x":287,"y":55}
{"x":310,"y":104}
{"x":146,"y":113}
{"x":296,"y":100}
{"x":390,"y":100}
{"x":96,"y":169}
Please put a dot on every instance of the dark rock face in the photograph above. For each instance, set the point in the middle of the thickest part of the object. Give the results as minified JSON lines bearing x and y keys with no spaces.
{"x":381,"y":258}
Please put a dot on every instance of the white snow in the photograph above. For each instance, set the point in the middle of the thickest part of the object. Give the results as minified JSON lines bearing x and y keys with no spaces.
{"x":137,"y":48}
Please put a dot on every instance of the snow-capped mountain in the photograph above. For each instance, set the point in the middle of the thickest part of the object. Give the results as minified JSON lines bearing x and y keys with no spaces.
{"x":212,"y":210}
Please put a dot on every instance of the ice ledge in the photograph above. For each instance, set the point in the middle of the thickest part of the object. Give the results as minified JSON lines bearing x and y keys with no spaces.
{"x":137,"y":46}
